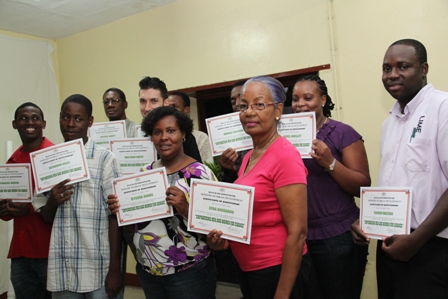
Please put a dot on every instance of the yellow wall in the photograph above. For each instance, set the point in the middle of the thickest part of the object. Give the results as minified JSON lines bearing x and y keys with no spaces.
{"x":193,"y":42}
{"x":54,"y":56}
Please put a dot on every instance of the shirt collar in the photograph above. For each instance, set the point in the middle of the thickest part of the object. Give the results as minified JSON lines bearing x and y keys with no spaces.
{"x":413,"y":104}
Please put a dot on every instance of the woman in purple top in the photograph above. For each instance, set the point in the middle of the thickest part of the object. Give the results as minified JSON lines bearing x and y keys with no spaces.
{"x":337,"y":170}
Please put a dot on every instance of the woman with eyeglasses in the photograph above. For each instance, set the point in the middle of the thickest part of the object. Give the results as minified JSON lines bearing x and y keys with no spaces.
{"x":337,"y":170}
{"x":276,"y":263}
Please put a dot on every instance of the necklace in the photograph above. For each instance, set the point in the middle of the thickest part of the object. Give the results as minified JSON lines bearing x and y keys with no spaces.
{"x":262,"y":150}
{"x":325,"y":120}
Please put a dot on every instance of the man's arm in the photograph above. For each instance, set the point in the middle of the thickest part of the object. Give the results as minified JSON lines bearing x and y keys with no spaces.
{"x":404,"y":247}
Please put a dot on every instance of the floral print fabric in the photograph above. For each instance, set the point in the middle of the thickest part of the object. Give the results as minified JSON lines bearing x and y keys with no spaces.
{"x":165,"y":246}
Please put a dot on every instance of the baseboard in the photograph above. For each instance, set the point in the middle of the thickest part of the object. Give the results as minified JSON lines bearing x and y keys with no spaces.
{"x":131,"y":280}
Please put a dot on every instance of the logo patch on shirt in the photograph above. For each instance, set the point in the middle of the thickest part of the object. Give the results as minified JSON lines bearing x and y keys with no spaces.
{"x":418,"y":128}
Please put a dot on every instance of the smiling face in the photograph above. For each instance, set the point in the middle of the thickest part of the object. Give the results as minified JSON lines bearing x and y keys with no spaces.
{"x":149,"y":99}
{"x":29,"y":124}
{"x":74,"y":121}
{"x":114,"y":111}
{"x":167,"y":138}
{"x":306,"y":97}
{"x":259,"y":122}
{"x":403,"y":75}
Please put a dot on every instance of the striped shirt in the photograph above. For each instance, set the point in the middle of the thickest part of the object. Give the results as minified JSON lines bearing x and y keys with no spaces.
{"x":79,"y":254}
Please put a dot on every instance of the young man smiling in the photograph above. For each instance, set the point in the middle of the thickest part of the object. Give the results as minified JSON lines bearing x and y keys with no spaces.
{"x":85,"y":247}
{"x":29,"y":246}
{"x":414,"y":154}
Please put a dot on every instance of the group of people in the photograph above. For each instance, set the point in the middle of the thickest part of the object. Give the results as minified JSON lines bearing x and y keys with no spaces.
{"x":306,"y":240}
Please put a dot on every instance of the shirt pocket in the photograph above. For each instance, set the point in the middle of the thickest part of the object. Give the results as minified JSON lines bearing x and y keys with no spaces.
{"x":418,"y":155}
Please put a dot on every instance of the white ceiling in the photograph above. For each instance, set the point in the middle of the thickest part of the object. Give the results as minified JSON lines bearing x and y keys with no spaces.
{"x":56,"y":19}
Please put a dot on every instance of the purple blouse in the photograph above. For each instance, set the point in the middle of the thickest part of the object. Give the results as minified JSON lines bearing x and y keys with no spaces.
{"x":331,"y":211}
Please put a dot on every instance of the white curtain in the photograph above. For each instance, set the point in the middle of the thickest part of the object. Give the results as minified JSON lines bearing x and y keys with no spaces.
{"x":26,"y":75}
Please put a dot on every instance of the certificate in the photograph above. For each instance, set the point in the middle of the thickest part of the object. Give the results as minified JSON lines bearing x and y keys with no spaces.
{"x":139,"y":132}
{"x":226,"y":131}
{"x":142,"y":196}
{"x":300,"y":130}
{"x":385,"y":211}
{"x":15,"y":182}
{"x":103,"y":132}
{"x":223,"y":206}
{"x":56,"y":163}
{"x":133,"y":153}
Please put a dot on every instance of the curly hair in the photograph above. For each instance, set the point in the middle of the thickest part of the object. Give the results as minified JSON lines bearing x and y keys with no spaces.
{"x":183,"y":121}
{"x":329,"y":105}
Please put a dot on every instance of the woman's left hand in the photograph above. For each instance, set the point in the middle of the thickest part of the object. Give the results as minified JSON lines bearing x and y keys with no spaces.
{"x":322,"y":154}
{"x":176,"y":198}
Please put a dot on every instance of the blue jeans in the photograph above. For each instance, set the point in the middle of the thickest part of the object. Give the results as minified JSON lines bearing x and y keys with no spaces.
{"x":197,"y":282}
{"x":97,"y":294}
{"x":340,"y":266}
{"x":29,"y":278}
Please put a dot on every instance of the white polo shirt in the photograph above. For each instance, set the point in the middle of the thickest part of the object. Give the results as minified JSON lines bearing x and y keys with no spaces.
{"x":414,"y":151}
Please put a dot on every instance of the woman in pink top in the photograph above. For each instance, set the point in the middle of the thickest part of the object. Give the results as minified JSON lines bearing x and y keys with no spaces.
{"x":275,"y":264}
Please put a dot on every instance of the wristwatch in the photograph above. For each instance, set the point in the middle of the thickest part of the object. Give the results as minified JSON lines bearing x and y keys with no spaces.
{"x":331,"y":167}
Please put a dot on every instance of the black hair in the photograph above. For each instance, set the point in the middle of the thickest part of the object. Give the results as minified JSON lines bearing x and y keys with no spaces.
{"x":239,"y":83}
{"x":183,"y":121}
{"x":329,"y":105}
{"x":154,"y":83}
{"x":420,"y":50}
{"x":183,"y":95}
{"x":79,"y":99}
{"x":117,"y":90}
{"x":28,"y":104}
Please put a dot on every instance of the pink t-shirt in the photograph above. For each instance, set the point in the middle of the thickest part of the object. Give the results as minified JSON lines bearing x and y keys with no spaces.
{"x":280,"y":165}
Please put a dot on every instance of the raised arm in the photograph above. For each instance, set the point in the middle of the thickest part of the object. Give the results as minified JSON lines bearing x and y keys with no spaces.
{"x":293,"y":206}
{"x":353,"y":172}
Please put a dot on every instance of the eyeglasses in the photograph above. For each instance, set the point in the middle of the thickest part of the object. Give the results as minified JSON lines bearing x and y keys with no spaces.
{"x":113,"y":101}
{"x":257,"y":106}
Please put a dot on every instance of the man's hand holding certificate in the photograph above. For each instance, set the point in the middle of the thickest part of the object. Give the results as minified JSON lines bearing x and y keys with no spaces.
{"x":142,"y":196}
{"x":385,"y":211}
{"x":222,"y":206}
{"x":56,"y":163}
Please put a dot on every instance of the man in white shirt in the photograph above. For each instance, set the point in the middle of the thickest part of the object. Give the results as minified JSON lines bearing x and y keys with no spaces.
{"x":414,"y":153}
